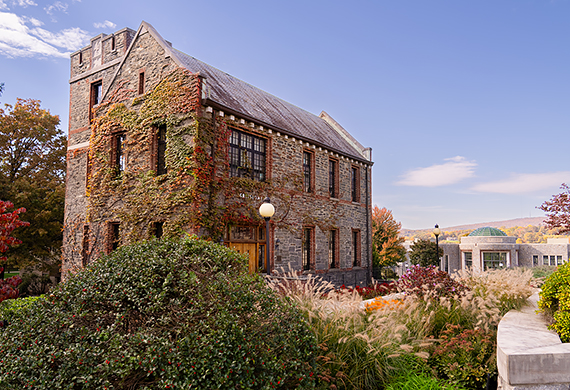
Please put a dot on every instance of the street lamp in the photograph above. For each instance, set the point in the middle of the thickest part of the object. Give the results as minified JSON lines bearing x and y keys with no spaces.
{"x":436,"y":232}
{"x":266,"y":210}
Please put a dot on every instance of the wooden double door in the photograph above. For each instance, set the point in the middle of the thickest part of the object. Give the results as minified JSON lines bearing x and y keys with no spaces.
{"x":255,"y":253}
{"x":249,"y":240}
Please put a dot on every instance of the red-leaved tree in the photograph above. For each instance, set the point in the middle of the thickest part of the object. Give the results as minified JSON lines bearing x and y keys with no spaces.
{"x":557,"y":210}
{"x":8,"y":222}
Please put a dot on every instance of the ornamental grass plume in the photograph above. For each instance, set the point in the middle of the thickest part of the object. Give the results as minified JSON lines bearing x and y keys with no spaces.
{"x":508,"y":288}
{"x":358,"y":350}
{"x":368,"y":346}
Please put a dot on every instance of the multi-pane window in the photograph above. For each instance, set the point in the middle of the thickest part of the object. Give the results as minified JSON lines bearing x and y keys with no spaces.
{"x":307,"y":171}
{"x":307,"y":248}
{"x":333,"y":253}
{"x":494,"y":260}
{"x":551,"y":260}
{"x":247,"y":156}
{"x":114,"y":238}
{"x":468,"y":257}
{"x":161,"y":150}
{"x":356,"y":248}
{"x":333,"y":178}
{"x":355,"y":183}
{"x":118,"y":153}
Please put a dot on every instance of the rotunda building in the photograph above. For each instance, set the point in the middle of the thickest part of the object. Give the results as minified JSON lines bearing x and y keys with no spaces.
{"x":488,"y":248}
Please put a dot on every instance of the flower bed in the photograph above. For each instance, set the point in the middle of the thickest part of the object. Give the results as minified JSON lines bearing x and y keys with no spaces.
{"x":445,"y":327}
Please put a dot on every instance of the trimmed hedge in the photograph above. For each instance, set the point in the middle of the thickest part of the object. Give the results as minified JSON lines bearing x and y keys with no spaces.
{"x":172,"y":314}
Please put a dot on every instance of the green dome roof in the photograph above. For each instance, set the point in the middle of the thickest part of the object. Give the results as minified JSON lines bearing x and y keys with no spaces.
{"x":487,"y":231}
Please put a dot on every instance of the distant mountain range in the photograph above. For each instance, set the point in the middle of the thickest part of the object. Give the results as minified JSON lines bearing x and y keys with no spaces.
{"x":534,"y":221}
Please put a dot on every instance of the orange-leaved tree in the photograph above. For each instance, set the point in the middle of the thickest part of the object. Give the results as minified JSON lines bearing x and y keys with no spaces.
{"x":387,"y":246}
{"x":32,"y":175}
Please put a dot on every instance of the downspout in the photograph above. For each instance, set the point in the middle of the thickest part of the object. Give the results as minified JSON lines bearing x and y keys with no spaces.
{"x":368,"y":247}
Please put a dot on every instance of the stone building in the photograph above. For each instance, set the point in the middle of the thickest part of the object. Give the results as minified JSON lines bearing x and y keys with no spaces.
{"x":489,"y":248}
{"x":161,"y":143}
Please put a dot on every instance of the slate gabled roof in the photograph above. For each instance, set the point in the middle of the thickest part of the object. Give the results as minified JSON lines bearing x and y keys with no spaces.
{"x":240,"y":97}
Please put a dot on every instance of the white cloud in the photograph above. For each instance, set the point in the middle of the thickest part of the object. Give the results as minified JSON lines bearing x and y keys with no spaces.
{"x":33,"y":21}
{"x":105,"y":24}
{"x":57,"y":6}
{"x":23,"y":3}
{"x":454,"y":170}
{"x":70,"y":39}
{"x":3,"y":5}
{"x":18,"y":40}
{"x":524,"y":183}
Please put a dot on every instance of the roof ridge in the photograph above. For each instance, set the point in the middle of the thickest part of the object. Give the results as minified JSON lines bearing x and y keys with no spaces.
{"x":245,"y":82}
{"x":245,"y":99}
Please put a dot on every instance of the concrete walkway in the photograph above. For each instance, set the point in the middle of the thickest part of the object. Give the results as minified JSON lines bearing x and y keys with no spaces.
{"x":529,"y":356}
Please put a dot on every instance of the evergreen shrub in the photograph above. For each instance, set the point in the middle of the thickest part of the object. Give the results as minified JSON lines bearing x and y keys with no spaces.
{"x":164,"y":314}
{"x":555,"y":301}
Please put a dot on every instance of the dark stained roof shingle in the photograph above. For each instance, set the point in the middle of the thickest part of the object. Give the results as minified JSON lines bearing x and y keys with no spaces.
{"x":241,"y":97}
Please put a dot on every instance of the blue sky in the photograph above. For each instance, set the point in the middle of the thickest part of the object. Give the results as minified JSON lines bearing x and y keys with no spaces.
{"x":465,"y":103}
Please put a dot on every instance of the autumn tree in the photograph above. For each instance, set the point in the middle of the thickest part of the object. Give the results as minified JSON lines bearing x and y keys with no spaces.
{"x":424,"y":253}
{"x":9,"y":221}
{"x":557,"y":211}
{"x":32,"y":175}
{"x":387,"y":245}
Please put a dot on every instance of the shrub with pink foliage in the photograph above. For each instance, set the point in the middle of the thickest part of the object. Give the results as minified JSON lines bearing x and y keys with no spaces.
{"x":420,"y":280}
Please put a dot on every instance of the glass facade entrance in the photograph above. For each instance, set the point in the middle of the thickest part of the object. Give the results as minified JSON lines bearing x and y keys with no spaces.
{"x":494,"y":260}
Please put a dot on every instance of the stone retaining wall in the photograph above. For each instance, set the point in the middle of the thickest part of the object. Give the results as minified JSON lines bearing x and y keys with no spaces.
{"x":529,"y":356}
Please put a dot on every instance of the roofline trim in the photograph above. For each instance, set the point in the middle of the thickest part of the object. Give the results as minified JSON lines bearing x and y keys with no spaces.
{"x":221,"y":107}
{"x":345,"y":134}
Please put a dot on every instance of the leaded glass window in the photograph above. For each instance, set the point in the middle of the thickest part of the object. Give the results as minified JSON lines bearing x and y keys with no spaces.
{"x":307,"y":174}
{"x":247,"y":155}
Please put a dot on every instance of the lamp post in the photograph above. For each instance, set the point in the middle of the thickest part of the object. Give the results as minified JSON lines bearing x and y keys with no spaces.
{"x":266,"y":210}
{"x":436,"y":232}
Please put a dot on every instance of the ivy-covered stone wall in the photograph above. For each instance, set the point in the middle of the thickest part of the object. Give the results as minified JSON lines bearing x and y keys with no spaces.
{"x":197,"y":194}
